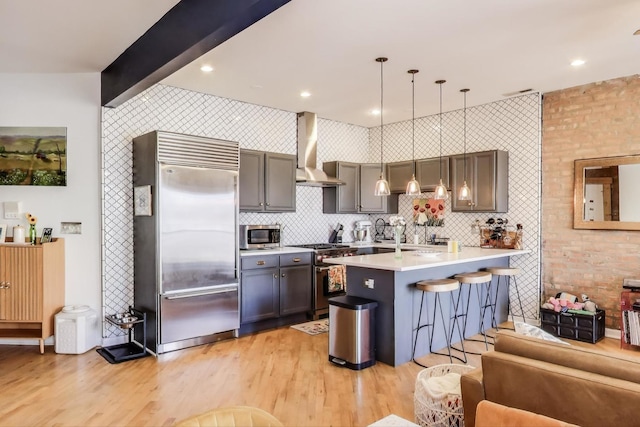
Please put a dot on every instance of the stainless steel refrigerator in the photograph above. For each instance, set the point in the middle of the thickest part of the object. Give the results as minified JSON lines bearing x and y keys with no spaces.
{"x":185,"y":239}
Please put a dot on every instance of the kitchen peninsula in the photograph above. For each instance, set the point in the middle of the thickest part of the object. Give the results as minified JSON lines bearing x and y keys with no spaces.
{"x":399,"y":302}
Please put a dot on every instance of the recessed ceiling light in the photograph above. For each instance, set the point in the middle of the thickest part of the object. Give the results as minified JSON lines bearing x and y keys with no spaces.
{"x":305,"y":94}
{"x":577,"y":62}
{"x":375,"y":112}
{"x":206,"y":68}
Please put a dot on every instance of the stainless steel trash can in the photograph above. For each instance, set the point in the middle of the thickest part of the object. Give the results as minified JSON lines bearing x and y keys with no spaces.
{"x":352,"y":335}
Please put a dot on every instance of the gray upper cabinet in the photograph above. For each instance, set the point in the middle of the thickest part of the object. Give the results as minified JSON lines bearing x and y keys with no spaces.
{"x":280,"y":182}
{"x":267,"y":182}
{"x":488,"y":178}
{"x":251,"y":180}
{"x":356,"y":196}
{"x":428,"y":172}
{"x":399,"y":174}
{"x":369,"y":202}
{"x":343,"y":198}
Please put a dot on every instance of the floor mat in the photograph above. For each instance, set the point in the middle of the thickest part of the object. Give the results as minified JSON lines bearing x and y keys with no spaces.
{"x":314,"y":327}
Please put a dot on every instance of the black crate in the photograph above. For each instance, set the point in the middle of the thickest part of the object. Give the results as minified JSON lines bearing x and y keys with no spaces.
{"x":580,"y":327}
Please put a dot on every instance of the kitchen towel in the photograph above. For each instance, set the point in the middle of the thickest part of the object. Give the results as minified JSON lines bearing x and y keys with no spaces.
{"x":337,"y":281}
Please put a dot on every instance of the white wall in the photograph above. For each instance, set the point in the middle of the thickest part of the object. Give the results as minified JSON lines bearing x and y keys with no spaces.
{"x":629,"y":203}
{"x":71,"y":101}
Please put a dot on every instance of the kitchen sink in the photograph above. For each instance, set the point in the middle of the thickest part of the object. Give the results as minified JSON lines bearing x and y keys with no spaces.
{"x":378,"y":250}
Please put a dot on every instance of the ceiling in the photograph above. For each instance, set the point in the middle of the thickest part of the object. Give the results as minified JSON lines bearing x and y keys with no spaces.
{"x":328,"y":47}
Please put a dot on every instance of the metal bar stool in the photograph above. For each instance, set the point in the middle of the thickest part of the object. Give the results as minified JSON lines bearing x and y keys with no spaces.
{"x":482,"y":282}
{"x":506,"y":273}
{"x":439,"y":286}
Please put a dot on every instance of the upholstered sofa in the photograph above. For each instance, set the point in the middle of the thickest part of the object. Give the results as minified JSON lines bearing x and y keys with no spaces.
{"x":490,"y":414}
{"x":575,"y":385}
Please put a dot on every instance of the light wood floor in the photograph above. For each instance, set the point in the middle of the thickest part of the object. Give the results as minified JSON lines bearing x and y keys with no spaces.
{"x":283,"y":371}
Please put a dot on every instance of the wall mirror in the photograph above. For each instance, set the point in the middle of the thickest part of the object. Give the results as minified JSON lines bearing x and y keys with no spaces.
{"x":605,"y":193}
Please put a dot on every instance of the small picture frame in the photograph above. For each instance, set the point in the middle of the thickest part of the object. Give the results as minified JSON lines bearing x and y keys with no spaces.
{"x":3,"y":232}
{"x":46,"y":235}
{"x":142,"y":200}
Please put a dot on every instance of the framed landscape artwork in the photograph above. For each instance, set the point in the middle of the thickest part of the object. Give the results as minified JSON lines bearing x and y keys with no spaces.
{"x":33,"y":156}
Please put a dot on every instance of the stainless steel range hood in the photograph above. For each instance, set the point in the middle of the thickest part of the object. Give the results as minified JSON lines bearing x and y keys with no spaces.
{"x":308,"y":172}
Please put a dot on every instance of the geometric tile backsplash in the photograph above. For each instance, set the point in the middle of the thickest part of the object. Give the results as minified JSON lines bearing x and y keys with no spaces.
{"x":512,"y":125}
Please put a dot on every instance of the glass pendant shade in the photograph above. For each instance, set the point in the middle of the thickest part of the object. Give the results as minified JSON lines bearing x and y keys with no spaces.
{"x":382,"y":187}
{"x":465,"y":192}
{"x":441,"y":192}
{"x":413,"y":187}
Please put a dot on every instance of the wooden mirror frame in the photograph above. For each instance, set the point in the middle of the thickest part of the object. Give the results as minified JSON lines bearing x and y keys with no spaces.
{"x":578,"y":194}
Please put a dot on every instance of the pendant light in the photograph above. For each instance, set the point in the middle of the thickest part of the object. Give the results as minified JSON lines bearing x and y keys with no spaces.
{"x":413,"y":186}
{"x":465,"y":191}
{"x":382,"y":186}
{"x":441,"y":192}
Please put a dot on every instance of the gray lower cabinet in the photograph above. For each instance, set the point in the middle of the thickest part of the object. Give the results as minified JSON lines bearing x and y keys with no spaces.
{"x":487,"y":175}
{"x":259,"y":288}
{"x":429,"y":172}
{"x":356,"y":196}
{"x":267,"y":182}
{"x":274,"y":286}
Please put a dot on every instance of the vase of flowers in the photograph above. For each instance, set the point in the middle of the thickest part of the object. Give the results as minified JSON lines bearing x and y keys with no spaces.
{"x":32,"y":220}
{"x":398,"y":224}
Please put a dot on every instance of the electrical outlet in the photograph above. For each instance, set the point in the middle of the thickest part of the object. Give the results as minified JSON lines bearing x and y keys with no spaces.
{"x":70,"y":228}
{"x":12,"y":210}
{"x":368,"y":283}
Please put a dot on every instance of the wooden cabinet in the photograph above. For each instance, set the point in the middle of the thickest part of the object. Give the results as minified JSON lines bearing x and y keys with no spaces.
{"x":274,"y":286}
{"x":31,"y":289}
{"x":267,"y":182}
{"x":356,"y":196}
{"x":487,"y":176}
{"x":429,"y":172}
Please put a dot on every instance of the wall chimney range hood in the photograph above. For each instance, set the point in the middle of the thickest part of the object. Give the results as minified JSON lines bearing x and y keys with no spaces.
{"x":307,"y":172}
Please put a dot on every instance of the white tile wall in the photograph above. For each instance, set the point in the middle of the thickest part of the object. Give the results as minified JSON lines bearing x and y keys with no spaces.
{"x":512,"y":125}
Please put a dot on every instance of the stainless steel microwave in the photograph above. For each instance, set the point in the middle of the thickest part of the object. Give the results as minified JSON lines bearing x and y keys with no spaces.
{"x":259,"y":236}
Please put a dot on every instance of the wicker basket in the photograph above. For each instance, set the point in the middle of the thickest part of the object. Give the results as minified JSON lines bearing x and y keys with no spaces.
{"x":442,"y":412}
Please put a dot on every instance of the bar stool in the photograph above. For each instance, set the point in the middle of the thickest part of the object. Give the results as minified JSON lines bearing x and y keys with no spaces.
{"x":439,"y":286}
{"x":482,"y":280}
{"x":506,"y":273}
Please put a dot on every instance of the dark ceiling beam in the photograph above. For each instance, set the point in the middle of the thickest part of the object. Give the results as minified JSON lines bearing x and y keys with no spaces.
{"x":190,"y":29}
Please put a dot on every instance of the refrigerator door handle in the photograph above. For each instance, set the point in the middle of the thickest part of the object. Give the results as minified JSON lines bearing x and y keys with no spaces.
{"x":200,"y":294}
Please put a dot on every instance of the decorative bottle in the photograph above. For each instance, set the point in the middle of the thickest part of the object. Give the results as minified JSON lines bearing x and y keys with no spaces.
{"x":32,"y":234}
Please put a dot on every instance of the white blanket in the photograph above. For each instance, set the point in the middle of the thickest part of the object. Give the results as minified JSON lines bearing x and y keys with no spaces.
{"x":440,"y":387}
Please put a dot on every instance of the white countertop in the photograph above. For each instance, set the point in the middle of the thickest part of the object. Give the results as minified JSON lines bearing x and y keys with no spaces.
{"x":274,"y":251}
{"x":412,"y":260}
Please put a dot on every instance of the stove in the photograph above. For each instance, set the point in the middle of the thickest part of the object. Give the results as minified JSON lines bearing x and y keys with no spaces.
{"x":321,"y":270}
{"x":328,"y":250}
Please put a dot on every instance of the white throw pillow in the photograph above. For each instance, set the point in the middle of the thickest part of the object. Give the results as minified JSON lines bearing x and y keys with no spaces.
{"x":534,"y":331}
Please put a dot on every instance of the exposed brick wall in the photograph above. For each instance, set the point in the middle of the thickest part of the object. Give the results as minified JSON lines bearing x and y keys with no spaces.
{"x":595,"y":120}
